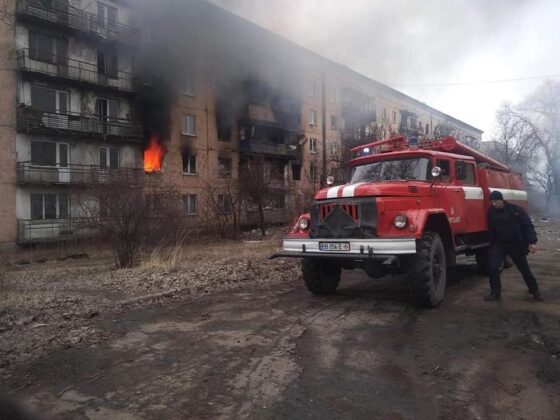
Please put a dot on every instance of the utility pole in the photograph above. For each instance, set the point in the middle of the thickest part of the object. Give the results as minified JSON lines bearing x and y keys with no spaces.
{"x":324,"y":127}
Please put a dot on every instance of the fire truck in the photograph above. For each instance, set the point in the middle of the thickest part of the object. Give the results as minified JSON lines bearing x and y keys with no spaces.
{"x":409,"y":207}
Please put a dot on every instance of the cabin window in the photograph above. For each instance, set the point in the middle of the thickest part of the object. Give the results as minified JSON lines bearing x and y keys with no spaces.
{"x":445,"y":166}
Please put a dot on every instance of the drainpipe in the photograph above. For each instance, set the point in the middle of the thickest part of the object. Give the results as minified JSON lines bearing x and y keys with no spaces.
{"x":324,"y":127}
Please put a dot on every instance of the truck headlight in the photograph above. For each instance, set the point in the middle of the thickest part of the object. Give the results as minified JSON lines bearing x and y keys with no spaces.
{"x":400,"y":221}
{"x":303,"y":223}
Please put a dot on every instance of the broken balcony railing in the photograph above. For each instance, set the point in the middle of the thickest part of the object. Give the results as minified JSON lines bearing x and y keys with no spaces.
{"x":59,"y":65}
{"x":61,"y":13}
{"x":30,"y":173}
{"x":32,"y":120}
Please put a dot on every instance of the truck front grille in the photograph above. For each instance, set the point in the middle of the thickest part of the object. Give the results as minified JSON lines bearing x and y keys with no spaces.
{"x":344,"y":219}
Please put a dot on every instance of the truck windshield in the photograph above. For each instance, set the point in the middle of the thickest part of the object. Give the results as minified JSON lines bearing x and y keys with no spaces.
{"x":386,"y":170}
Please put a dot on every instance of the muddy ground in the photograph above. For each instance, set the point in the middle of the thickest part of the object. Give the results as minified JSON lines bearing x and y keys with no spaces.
{"x":240,"y":339}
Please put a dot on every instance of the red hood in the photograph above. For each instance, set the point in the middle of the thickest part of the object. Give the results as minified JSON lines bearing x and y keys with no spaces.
{"x":365,"y":189}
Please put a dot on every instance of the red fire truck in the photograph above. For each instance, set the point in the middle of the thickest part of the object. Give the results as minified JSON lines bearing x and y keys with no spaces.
{"x":409,"y":207}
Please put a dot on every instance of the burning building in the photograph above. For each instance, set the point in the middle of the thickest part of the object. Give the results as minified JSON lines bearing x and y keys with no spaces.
{"x":195,"y":95}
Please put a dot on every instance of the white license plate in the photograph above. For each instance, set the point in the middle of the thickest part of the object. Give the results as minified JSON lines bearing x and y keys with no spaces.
{"x":334,"y":246}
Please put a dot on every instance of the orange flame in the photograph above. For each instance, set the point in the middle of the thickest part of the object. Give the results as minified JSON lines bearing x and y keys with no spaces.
{"x":153,"y":155}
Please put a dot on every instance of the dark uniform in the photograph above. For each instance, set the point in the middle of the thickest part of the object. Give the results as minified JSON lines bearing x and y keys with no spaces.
{"x":511,"y":233}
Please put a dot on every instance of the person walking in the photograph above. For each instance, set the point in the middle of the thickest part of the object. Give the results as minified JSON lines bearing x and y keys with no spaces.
{"x":511,"y":233}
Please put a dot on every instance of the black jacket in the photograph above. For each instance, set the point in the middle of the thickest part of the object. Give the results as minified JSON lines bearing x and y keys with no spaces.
{"x":511,"y":227}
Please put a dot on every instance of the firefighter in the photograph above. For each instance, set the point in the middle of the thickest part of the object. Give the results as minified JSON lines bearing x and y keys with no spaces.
{"x":511,"y":233}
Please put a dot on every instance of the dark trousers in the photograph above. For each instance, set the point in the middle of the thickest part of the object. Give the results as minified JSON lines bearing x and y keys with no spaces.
{"x":519,"y":257}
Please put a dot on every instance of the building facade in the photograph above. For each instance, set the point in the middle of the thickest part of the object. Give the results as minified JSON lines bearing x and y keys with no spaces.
{"x":79,"y":105}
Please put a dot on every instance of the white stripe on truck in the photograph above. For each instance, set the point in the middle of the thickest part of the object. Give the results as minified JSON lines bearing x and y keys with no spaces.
{"x":333,"y":191}
{"x":516,"y":195}
{"x":473,"y":193}
{"x":351,"y":189}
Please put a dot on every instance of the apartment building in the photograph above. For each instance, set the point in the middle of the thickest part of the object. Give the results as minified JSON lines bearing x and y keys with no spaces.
{"x":234,"y":94}
{"x":72,"y":97}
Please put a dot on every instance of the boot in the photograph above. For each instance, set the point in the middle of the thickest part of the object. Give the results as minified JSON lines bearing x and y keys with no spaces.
{"x":492,"y":298}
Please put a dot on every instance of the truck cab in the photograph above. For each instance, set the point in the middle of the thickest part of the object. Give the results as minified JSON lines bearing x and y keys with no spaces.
{"x":406,"y":208}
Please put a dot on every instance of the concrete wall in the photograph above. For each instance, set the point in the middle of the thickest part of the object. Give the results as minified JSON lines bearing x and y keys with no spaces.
{"x":7,"y":131}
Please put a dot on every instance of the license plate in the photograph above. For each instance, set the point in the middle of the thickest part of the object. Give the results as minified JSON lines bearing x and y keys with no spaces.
{"x":334,"y":246}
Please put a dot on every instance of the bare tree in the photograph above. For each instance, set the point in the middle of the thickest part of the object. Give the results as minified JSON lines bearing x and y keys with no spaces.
{"x":131,"y":214}
{"x":544,"y":180}
{"x":512,"y":143}
{"x":222,"y":207}
{"x":260,"y":183}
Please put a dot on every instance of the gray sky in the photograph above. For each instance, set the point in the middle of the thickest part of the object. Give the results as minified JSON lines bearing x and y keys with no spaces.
{"x":406,"y":43}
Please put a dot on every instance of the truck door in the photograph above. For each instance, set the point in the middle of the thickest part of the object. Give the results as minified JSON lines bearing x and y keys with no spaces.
{"x":475,"y":213}
{"x":452,"y":196}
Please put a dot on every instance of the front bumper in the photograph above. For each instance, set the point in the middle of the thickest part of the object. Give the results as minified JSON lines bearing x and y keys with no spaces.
{"x":360,"y":249}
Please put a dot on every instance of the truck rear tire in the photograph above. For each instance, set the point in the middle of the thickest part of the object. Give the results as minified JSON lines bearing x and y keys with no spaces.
{"x":428,"y":271}
{"x":321,"y":276}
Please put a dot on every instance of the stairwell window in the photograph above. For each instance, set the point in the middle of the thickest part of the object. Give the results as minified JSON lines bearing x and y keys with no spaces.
{"x":188,"y":125}
{"x":313,"y":145}
{"x":312,"y":117}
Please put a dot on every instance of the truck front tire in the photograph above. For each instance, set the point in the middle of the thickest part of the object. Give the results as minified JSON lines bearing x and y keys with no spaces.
{"x":428,"y":271}
{"x":321,"y":276}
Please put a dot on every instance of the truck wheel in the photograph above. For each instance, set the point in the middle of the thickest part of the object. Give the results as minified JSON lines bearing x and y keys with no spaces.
{"x":428,"y":271}
{"x":321,"y":277}
{"x":483,"y":261}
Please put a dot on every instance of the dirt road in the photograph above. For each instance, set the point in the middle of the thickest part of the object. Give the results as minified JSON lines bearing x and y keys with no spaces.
{"x":280,"y":352}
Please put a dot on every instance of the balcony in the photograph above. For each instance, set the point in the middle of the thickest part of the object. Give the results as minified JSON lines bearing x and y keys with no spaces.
{"x":51,"y":65}
{"x":30,"y":120}
{"x":73,"y":174}
{"x":35,"y":231}
{"x":268,"y":149}
{"x":60,"y":14}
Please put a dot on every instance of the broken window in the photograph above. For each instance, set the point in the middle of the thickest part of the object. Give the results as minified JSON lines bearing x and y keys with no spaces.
{"x":188,"y":125}
{"x":312,"y":117}
{"x":224,"y":167}
{"x":223,"y":121}
{"x":296,"y":172}
{"x":189,"y":163}
{"x":49,"y":206}
{"x":108,"y":157}
{"x":190,"y":204}
{"x":313,"y":145}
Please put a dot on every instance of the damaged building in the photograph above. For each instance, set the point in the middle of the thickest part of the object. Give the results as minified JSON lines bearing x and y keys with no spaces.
{"x":81,"y":101}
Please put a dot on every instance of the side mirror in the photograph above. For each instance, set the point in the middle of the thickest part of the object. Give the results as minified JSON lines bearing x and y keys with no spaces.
{"x":436,"y":171}
{"x":330,"y":180}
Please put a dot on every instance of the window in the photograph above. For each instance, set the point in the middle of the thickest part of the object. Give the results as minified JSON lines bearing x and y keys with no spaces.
{"x":394,"y":116}
{"x":333,"y":96}
{"x":188,"y":125}
{"x":107,"y":64}
{"x":108,"y":157}
{"x":189,"y":163}
{"x":465,"y":172}
{"x":313,"y":145}
{"x":296,"y":172}
{"x":107,"y":109}
{"x":384,"y":114}
{"x":334,"y":122}
{"x":42,"y":47}
{"x":49,"y":100}
{"x":334,"y":149}
{"x":224,"y":167}
{"x":49,"y":153}
{"x":190,"y":203}
{"x":445,"y":166}
{"x":224,"y":123}
{"x":107,"y":16}
{"x":49,"y":206}
{"x":188,"y":83}
{"x":312,"y":117}
{"x":312,"y":171}
{"x":427,"y":131}
{"x":224,"y":203}
{"x":400,"y":169}
{"x":312,"y":89}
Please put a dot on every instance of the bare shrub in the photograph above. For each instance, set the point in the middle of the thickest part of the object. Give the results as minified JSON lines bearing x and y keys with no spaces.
{"x":133,"y":215}
{"x":222,"y":208}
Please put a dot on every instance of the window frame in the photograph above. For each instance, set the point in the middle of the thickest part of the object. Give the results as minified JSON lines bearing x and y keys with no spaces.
{"x":187,"y":204}
{"x":313,"y":117}
{"x":108,"y":150}
{"x":191,"y":159}
{"x":313,"y":145}
{"x":57,"y":208}
{"x":185,"y":125}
